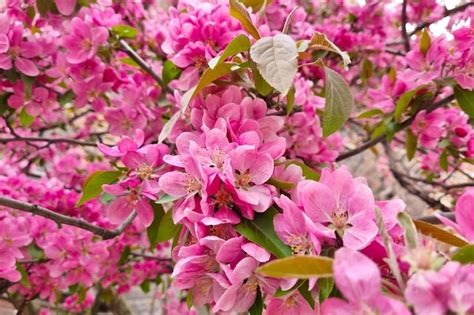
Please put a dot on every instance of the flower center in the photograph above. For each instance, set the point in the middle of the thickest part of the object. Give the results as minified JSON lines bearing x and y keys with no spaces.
{"x":223,"y":198}
{"x":192,"y":185}
{"x":243,"y":179}
{"x":299,"y":244}
{"x":145,"y":172}
{"x":339,"y":218}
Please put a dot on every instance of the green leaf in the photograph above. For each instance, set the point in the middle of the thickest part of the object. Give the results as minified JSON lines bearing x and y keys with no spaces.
{"x":325,"y":288}
{"x":465,"y":255}
{"x":281,"y":184}
{"x":4,"y":102}
{"x":35,"y":252}
{"x":124,"y":31}
{"x":443,"y":160}
{"x":152,"y":230}
{"x":276,"y":59}
{"x":93,"y":184}
{"x":260,"y":230}
{"x":425,"y":42}
{"x":367,"y":69}
{"x":321,"y":42}
{"x":256,"y":5}
{"x":371,"y":113}
{"x":257,"y":306}
{"x":24,"y":276}
{"x":81,"y":294}
{"x":465,"y":100}
{"x":106,"y":198}
{"x":411,"y":144}
{"x":129,"y":61}
{"x":162,"y":228}
{"x":379,"y":130}
{"x":411,"y":235}
{"x":189,"y":299}
{"x":124,"y":255}
{"x":339,"y":102}
{"x":403,"y":102}
{"x":145,"y":286}
{"x":43,"y":6}
{"x":168,"y":127}
{"x":439,"y":234}
{"x":303,"y":267}
{"x":239,"y":44}
{"x":290,"y":99}
{"x":170,"y":72}
{"x":25,"y":119}
{"x":308,"y":172}
{"x":262,"y":86}
{"x":66,"y":97}
{"x":238,"y":11}
{"x":306,"y":293}
{"x":166,"y":199}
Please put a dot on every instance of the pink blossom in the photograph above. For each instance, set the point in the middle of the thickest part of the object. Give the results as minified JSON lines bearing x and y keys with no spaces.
{"x":341,"y":207}
{"x":358,"y":278}
{"x":83,"y":40}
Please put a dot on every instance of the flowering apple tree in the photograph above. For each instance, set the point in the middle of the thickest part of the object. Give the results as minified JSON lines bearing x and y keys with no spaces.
{"x":202,"y":149}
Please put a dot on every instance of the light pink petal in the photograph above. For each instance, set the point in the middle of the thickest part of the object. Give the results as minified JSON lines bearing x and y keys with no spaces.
{"x":340,"y":182}
{"x":16,"y":101}
{"x":145,"y":212}
{"x":26,"y":66}
{"x":262,"y":169}
{"x":133,"y":160}
{"x":356,"y":276}
{"x":256,"y":252}
{"x":174,"y":183}
{"x":65,"y":7}
{"x":5,"y":62}
{"x":118,"y":210}
{"x":362,"y":232}
{"x":361,"y":201}
{"x":4,"y":43}
{"x":464,"y":212}
{"x":333,"y":306}
{"x":318,"y":201}
{"x":108,"y":150}
{"x":127,"y":144}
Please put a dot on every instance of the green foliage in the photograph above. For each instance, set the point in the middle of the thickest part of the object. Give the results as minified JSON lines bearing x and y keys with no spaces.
{"x":339,"y":102}
{"x":303,"y":267}
{"x":124,"y":31}
{"x":260,"y":230}
{"x":93,"y":184}
{"x":170,"y":72}
{"x":465,"y":255}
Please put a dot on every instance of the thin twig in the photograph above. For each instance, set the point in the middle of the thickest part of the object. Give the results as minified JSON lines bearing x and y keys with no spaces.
{"x":48,"y":140}
{"x":398,"y":128}
{"x":63,"y":219}
{"x":125,"y":47}
{"x":434,"y":220}
{"x":406,"y":38}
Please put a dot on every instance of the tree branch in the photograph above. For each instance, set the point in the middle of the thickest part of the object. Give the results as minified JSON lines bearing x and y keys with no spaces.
{"x":48,"y":140}
{"x":63,"y":219}
{"x":125,"y":47}
{"x":398,"y":128}
{"x":406,"y":38}
{"x":446,"y":13}
{"x":434,"y":220}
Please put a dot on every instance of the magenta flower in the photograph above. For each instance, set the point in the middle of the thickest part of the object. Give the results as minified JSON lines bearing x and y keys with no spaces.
{"x":341,"y":207}
{"x":11,"y":240}
{"x":13,"y":50}
{"x":358,"y":278}
{"x":83,"y":40}
{"x":293,"y":304}
{"x":33,"y":102}
{"x":464,"y":214}
{"x":449,"y":290}
{"x":131,"y":196}
{"x":247,"y":174}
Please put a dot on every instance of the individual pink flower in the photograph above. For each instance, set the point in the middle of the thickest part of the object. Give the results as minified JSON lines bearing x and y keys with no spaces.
{"x":358,"y":279}
{"x":451,"y":289}
{"x":83,"y":40}
{"x":131,"y":196}
{"x":14,"y":50}
{"x":295,"y":228}
{"x":33,"y":101}
{"x":464,"y":214}
{"x":429,"y":127}
{"x":294,"y":304}
{"x":247,"y":174}
{"x":11,"y":240}
{"x":66,"y":7}
{"x":341,"y":207}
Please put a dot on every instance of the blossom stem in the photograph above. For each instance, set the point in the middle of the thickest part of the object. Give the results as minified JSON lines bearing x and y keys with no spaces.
{"x":406,"y":38}
{"x":400,"y":127}
{"x":63,"y":219}
{"x":125,"y":47}
{"x":48,"y":140}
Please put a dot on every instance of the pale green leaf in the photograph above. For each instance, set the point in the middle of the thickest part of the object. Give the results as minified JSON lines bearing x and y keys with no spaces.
{"x":238,"y":11}
{"x":239,"y":44}
{"x":303,"y":267}
{"x":465,"y":100}
{"x":93,"y":184}
{"x":339,"y":102}
{"x":439,"y":234}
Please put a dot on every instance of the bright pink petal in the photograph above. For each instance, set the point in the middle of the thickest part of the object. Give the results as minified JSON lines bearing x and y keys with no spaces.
{"x":356,"y":276}
{"x":65,"y":7}
{"x":318,"y":202}
{"x":256,"y":252}
{"x":145,"y":212}
{"x":174,"y":183}
{"x":26,"y":66}
{"x":464,"y":212}
{"x":118,"y":210}
{"x":4,"y":43}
